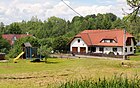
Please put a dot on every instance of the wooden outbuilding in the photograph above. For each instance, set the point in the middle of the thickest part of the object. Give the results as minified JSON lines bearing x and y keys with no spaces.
{"x":2,"y":56}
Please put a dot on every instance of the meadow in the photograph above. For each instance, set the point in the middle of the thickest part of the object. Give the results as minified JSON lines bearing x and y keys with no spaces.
{"x":58,"y":71}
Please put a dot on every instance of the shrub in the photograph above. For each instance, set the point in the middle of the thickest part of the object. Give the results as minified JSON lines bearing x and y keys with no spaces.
{"x":4,"y":46}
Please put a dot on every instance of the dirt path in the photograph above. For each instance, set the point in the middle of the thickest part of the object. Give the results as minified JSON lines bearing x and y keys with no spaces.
{"x":81,"y":56}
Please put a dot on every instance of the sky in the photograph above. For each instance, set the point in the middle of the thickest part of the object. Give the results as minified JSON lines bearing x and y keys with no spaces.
{"x":18,"y":10}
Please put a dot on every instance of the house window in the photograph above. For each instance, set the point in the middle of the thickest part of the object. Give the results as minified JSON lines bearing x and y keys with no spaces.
{"x":78,"y":40}
{"x":93,"y":49}
{"x":114,"y":49}
{"x":128,"y":42}
{"x":125,"y":49}
{"x":111,"y":41}
{"x":131,"y":49}
{"x":107,"y":41}
{"x":101,"y":49}
{"x":103,"y":40}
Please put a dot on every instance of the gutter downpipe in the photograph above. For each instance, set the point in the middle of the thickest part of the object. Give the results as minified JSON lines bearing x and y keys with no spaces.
{"x":124,"y":43}
{"x":90,"y":41}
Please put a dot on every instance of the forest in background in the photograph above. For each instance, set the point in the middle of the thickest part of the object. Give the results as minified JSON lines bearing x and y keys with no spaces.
{"x":55,"y":33}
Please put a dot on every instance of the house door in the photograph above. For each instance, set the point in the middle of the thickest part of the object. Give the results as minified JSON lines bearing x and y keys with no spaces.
{"x":74,"y":49}
{"x":82,"y":49}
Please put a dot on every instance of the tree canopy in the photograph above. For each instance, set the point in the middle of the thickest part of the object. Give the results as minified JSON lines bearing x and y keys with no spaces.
{"x":4,"y":45}
{"x":135,"y":6}
{"x":54,"y":33}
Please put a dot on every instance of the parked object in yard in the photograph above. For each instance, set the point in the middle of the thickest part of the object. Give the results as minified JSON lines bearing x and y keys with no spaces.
{"x":2,"y":56}
{"x":29,"y":52}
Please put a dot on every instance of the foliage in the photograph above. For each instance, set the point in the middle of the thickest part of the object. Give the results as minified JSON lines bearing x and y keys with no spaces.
{"x":13,"y":29}
{"x":135,"y":5}
{"x":45,"y":46}
{"x":133,"y":27}
{"x":114,"y":82}
{"x":55,"y":27}
{"x":1,"y":27}
{"x":54,"y":33}
{"x":4,"y":45}
{"x":60,"y":44}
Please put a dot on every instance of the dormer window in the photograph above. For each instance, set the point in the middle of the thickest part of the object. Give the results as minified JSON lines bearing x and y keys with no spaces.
{"x":108,"y":41}
{"x":78,"y":40}
{"x":128,"y":42}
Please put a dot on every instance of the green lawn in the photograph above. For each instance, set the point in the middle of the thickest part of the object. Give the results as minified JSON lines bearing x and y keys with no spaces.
{"x":26,"y":74}
{"x":135,"y":57}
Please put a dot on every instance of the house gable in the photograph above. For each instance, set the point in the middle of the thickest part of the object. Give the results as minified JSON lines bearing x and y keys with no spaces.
{"x":108,"y":41}
{"x":79,"y":44}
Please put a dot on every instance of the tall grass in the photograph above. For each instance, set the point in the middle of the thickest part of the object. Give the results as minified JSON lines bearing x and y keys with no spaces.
{"x":114,"y":82}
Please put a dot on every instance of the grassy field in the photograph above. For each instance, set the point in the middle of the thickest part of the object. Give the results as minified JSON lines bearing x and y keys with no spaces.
{"x":114,"y":82}
{"x":135,"y":57}
{"x":26,"y":74}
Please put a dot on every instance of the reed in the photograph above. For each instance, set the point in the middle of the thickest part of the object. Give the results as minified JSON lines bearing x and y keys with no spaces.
{"x":120,"y":81}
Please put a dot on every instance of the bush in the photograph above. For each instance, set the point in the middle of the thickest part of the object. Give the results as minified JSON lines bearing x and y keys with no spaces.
{"x":45,"y":51}
{"x":4,"y":46}
{"x":60,"y":44}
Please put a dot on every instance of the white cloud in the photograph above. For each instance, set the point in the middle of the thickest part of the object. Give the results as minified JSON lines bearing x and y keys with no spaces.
{"x":60,"y":10}
{"x":95,"y":9}
{"x":17,"y":10}
{"x":121,"y":1}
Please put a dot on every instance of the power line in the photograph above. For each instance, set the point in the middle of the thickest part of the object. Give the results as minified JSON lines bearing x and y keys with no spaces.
{"x":71,"y":8}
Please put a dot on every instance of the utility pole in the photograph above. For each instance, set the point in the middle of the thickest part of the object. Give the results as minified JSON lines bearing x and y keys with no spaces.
{"x":124,"y":43}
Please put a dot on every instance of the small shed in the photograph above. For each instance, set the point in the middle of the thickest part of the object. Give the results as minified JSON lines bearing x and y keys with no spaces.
{"x":27,"y":44}
{"x":2,"y":56}
{"x":30,"y":52}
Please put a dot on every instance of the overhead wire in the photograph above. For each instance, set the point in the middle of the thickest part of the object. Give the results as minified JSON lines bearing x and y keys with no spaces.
{"x":71,"y":8}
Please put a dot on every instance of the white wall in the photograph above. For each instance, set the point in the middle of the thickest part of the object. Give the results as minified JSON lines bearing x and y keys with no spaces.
{"x":128,"y":48}
{"x":107,"y":50}
{"x":97,"y":50}
{"x":120,"y":50}
{"x":75,"y":43}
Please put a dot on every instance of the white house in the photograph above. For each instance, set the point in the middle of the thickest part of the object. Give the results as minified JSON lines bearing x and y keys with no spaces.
{"x":102,"y":41}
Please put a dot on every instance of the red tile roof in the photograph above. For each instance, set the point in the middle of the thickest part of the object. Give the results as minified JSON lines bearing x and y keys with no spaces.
{"x":9,"y":37}
{"x":94,"y":37}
